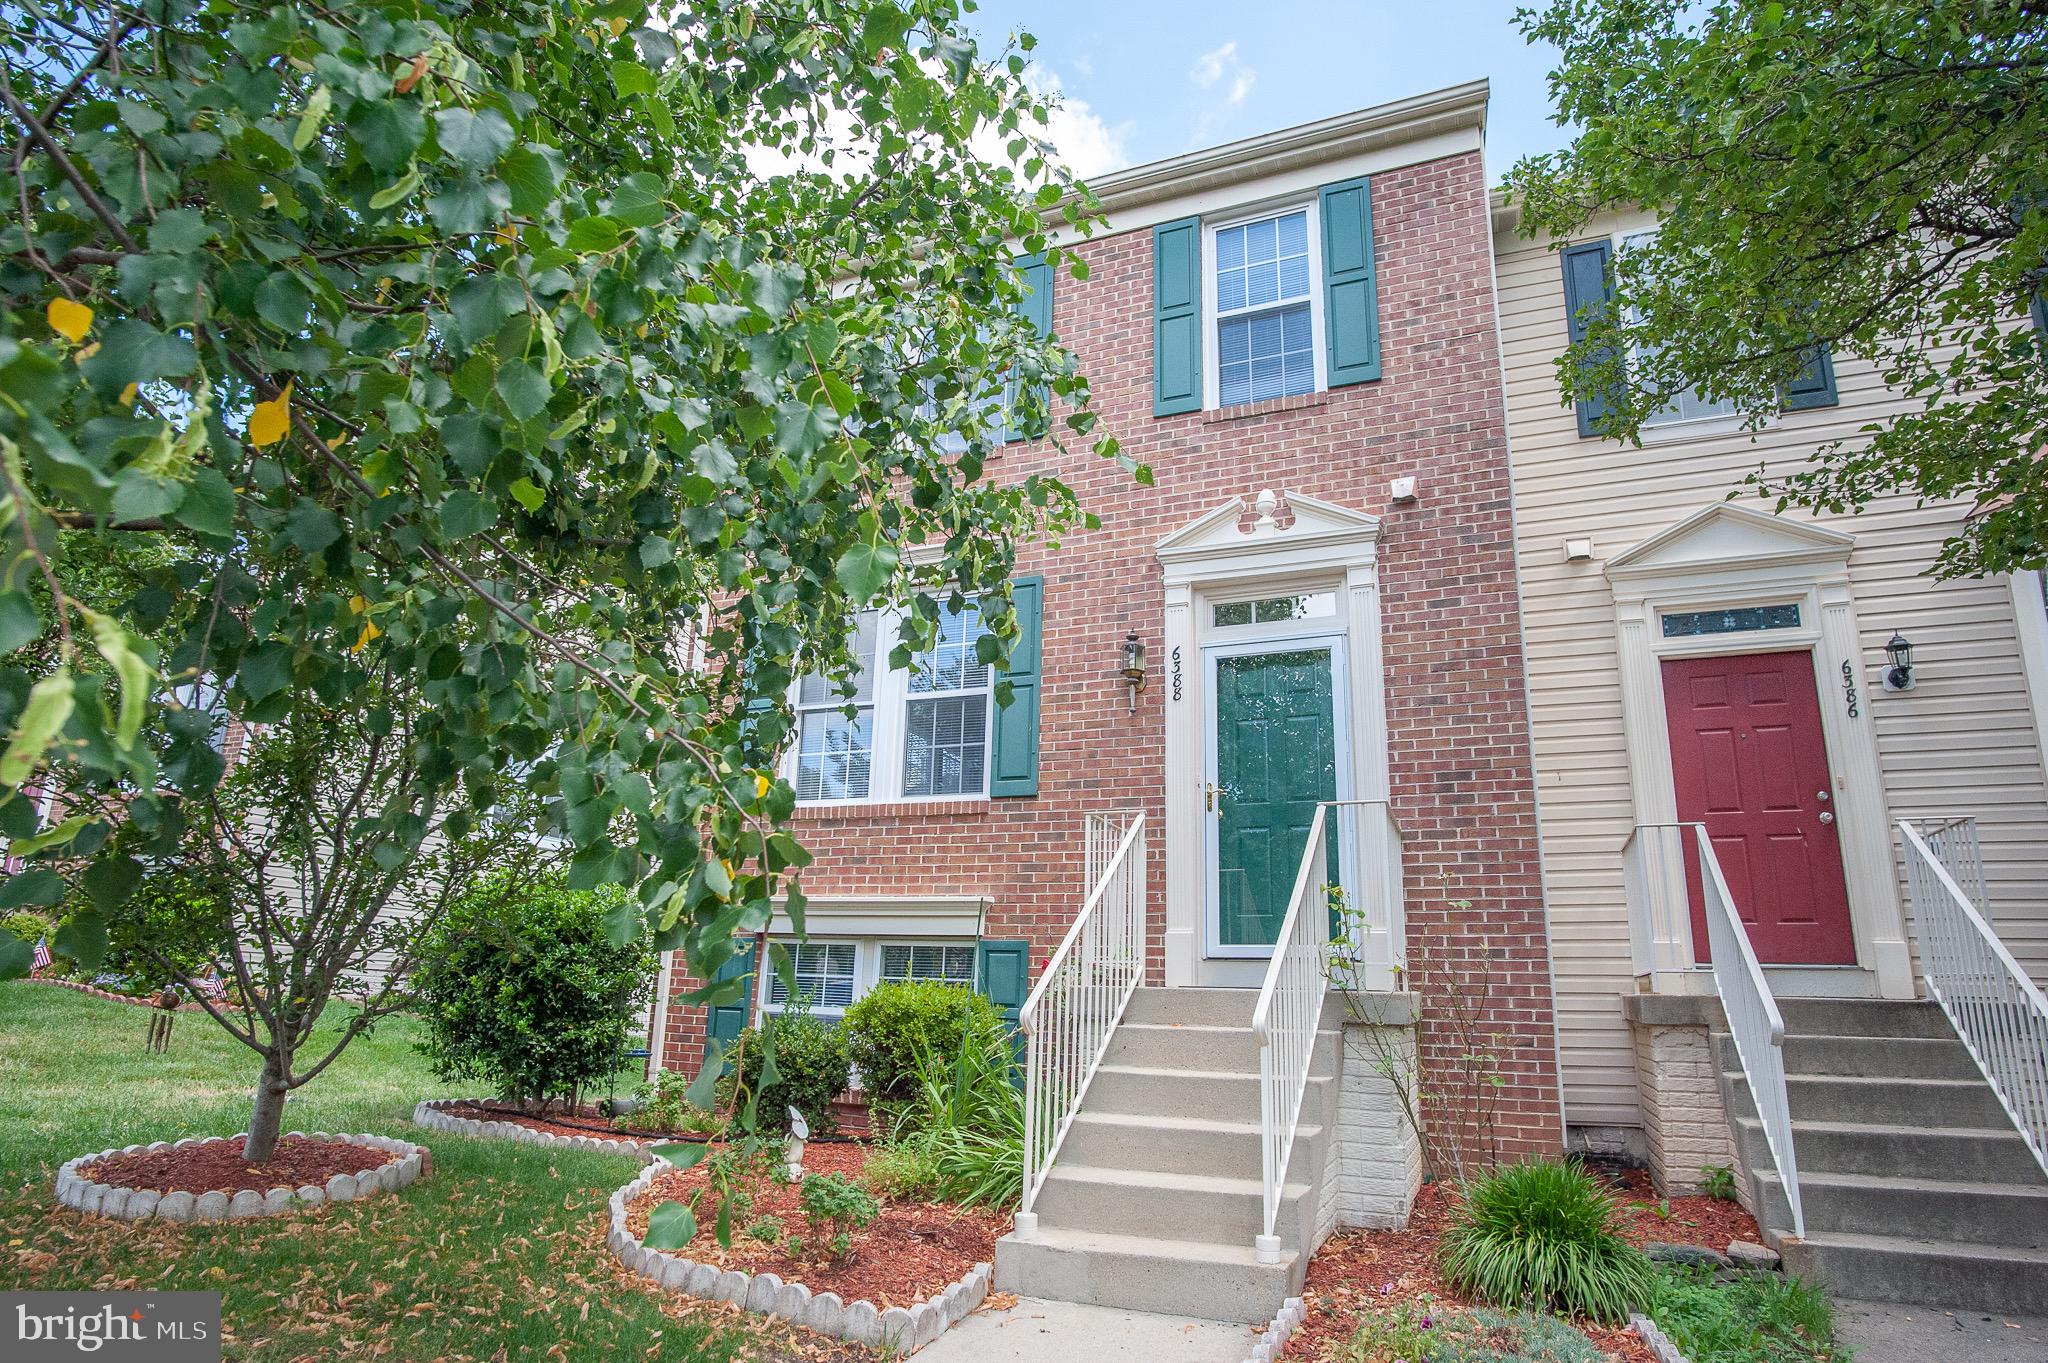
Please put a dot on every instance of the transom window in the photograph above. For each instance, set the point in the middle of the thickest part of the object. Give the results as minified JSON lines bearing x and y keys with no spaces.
{"x":1265,"y":308}
{"x":919,"y":733}
{"x":1688,"y":405}
{"x":1269,"y":609}
{"x":1736,"y":620}
{"x":825,"y":976}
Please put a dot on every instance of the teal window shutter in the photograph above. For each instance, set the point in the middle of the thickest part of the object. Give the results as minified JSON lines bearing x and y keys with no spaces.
{"x":2040,"y":311}
{"x":1815,"y":384}
{"x":1587,"y":289}
{"x":723,"y":1022}
{"x":1013,"y":757}
{"x":1002,"y":971}
{"x":1036,"y":308}
{"x":1351,"y":307}
{"x":1177,"y":317}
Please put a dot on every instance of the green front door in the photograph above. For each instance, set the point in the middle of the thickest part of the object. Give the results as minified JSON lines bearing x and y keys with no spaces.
{"x":1276,"y":759}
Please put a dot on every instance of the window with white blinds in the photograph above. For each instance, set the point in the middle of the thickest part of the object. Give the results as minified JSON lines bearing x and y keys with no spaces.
{"x":918,"y":961}
{"x":825,"y":975}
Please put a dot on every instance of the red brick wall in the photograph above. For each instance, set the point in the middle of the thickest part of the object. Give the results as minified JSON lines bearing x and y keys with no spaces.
{"x":1461,"y":779}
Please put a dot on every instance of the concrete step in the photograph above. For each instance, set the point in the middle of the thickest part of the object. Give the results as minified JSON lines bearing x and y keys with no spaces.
{"x":1173,"y":1277}
{"x":1195,"y":1046}
{"x":1194,"y":1007}
{"x":1157,"y":1205}
{"x":1889,"y":1100}
{"x":1965,"y":1154}
{"x":1864,"y":1017}
{"x":1935,"y":1273}
{"x":1125,"y":1140}
{"x":1871,"y":1057}
{"x":2010,"y":1214}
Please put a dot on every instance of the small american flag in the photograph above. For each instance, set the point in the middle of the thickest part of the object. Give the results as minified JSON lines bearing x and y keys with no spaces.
{"x":41,"y":960}
{"x":212,"y":986}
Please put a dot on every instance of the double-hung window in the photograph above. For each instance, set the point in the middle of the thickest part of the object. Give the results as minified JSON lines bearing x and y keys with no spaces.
{"x":826,"y":974}
{"x":916,"y":733}
{"x":1264,"y":292}
{"x":1688,"y":405}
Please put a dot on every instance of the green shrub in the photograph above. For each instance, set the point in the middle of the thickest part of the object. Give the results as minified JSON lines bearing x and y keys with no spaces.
{"x":905,"y":1170}
{"x":962,"y":1132}
{"x":886,"y":1028}
{"x":1718,"y":1181}
{"x":1544,"y":1234}
{"x":664,"y":1105}
{"x":812,"y":1070}
{"x":171,"y":915}
{"x":834,"y":1208}
{"x":519,"y":987}
{"x":29,"y":926}
{"x":1758,"y":1318}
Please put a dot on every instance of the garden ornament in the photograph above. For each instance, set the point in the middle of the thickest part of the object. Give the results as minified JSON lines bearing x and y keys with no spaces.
{"x":160,"y":1019}
{"x":793,"y":1149}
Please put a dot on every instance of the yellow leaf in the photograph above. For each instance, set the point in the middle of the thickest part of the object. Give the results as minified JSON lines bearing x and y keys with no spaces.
{"x":358,"y":604}
{"x":268,"y":421}
{"x":69,"y":320}
{"x":761,"y":784}
{"x":128,"y":396}
{"x":618,"y":26}
{"x":370,"y":631}
{"x":86,"y":352}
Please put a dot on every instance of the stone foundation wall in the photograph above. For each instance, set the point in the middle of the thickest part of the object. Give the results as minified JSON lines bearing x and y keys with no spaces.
{"x":1374,"y":1166}
{"x":1685,"y":1124}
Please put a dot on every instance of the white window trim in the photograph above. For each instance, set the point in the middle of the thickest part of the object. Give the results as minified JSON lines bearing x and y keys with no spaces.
{"x":887,"y":734}
{"x":867,"y":967}
{"x":1212,"y":349}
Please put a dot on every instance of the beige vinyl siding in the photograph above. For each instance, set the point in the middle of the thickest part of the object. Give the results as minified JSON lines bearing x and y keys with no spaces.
{"x":1963,"y":742}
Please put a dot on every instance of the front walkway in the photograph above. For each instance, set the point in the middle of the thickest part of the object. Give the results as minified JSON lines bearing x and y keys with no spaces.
{"x":1036,"y":1331}
{"x":1880,"y":1332}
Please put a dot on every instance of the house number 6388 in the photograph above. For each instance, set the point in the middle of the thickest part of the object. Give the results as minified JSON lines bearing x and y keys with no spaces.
{"x":1849,"y":689}
{"x":1176,"y":674}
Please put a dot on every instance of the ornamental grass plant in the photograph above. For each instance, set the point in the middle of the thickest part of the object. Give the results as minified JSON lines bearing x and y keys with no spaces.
{"x":1545,"y":1235}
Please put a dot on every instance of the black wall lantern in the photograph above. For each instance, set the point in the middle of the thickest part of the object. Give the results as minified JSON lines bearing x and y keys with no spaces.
{"x":1899,"y":676}
{"x":1134,"y":667}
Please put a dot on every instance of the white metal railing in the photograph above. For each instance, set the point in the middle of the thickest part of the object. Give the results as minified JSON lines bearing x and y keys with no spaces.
{"x":1755,"y":1023}
{"x":1102,"y":832}
{"x":1073,"y":1010}
{"x":1659,"y":907}
{"x":1290,"y":1006}
{"x":1999,"y":1013}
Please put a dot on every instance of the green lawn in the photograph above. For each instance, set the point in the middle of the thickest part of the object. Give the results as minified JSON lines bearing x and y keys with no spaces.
{"x":499,"y":1255}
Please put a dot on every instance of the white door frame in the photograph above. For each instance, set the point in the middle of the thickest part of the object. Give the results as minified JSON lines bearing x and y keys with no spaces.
{"x":1731,"y":556}
{"x":1317,"y":634}
{"x":1227,"y":554}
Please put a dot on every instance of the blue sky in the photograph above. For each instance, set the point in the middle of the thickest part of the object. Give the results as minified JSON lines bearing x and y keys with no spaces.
{"x":1145,"y":79}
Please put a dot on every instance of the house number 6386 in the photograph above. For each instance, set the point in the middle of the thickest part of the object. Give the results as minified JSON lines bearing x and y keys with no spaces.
{"x":1849,"y":688}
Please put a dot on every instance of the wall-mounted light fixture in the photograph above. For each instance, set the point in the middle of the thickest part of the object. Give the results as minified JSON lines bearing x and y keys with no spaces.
{"x":1899,"y":676}
{"x":1134,"y":666}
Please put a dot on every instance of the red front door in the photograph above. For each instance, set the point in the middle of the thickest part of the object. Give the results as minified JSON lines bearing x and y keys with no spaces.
{"x":1752,"y":765}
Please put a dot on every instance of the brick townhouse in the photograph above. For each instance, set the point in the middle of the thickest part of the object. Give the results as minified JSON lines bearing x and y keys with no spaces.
{"x":1297,"y":333}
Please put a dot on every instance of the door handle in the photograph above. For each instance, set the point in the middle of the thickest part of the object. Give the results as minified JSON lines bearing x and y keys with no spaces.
{"x":1209,"y":795}
{"x":1826,"y":817}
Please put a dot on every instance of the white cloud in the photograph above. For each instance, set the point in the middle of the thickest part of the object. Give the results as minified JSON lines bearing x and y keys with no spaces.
{"x":1240,"y":86}
{"x":1210,"y":66}
{"x":1086,"y":144}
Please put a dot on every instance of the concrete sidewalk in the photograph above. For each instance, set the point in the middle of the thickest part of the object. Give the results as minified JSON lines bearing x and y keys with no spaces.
{"x":1881,"y":1332}
{"x":1036,"y":1331}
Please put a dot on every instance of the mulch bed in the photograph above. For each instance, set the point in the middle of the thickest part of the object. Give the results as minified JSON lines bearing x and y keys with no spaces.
{"x":218,"y":1166}
{"x":1360,"y":1273}
{"x":851,"y":1120}
{"x":913,"y":1249}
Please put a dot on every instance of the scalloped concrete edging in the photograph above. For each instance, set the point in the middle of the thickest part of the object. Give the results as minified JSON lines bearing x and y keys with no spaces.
{"x":897,"y":1329}
{"x":136,"y":1204}
{"x":1274,"y":1341}
{"x":1654,"y":1339}
{"x":430,"y":1115}
{"x":134,"y":1001}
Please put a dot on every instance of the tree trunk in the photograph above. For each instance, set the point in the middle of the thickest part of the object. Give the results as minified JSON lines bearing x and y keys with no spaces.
{"x":268,"y":1117}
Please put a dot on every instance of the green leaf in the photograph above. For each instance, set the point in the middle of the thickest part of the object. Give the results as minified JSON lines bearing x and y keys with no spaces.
{"x":38,"y":887}
{"x":208,"y":506}
{"x":19,"y":622}
{"x":312,"y":118}
{"x":682,"y":1154}
{"x":465,"y":513}
{"x":59,"y":836}
{"x":42,"y":719}
{"x":124,"y":653}
{"x":527,"y":493}
{"x":310,"y":527}
{"x":472,"y":140}
{"x":82,"y":937}
{"x":593,"y":235}
{"x":670,"y":1226}
{"x":523,"y":389}
{"x":638,"y":200}
{"x":111,"y":879}
{"x":703,"y":1090}
{"x":531,"y":172}
{"x":265,"y":671}
{"x":622,"y":920}
{"x":136,"y":352}
{"x":17,"y":958}
{"x":389,"y":131}
{"x":865,"y":569}
{"x":632,"y":79}
{"x":398,"y":191}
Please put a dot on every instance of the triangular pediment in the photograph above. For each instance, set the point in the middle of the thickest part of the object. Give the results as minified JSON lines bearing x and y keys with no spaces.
{"x":1725,"y":535}
{"x":1221,"y":530}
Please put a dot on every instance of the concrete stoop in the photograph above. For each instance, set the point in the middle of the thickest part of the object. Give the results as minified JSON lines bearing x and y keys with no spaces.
{"x":1154,"y":1199}
{"x":1915,"y":1185}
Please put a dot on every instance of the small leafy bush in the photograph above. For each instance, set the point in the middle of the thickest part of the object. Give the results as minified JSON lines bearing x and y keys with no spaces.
{"x":1428,"y":1332}
{"x":1401,"y":1335}
{"x":962,"y":1133}
{"x":768,"y":1230}
{"x":834,"y":1208}
{"x":1758,"y":1318}
{"x":1544,"y":1234}
{"x":887,"y":1027}
{"x":520,"y":987}
{"x":29,"y":926}
{"x":811,"y":1069}
{"x":664,"y":1105}
{"x":1718,"y":1181}
{"x":905,"y":1170}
